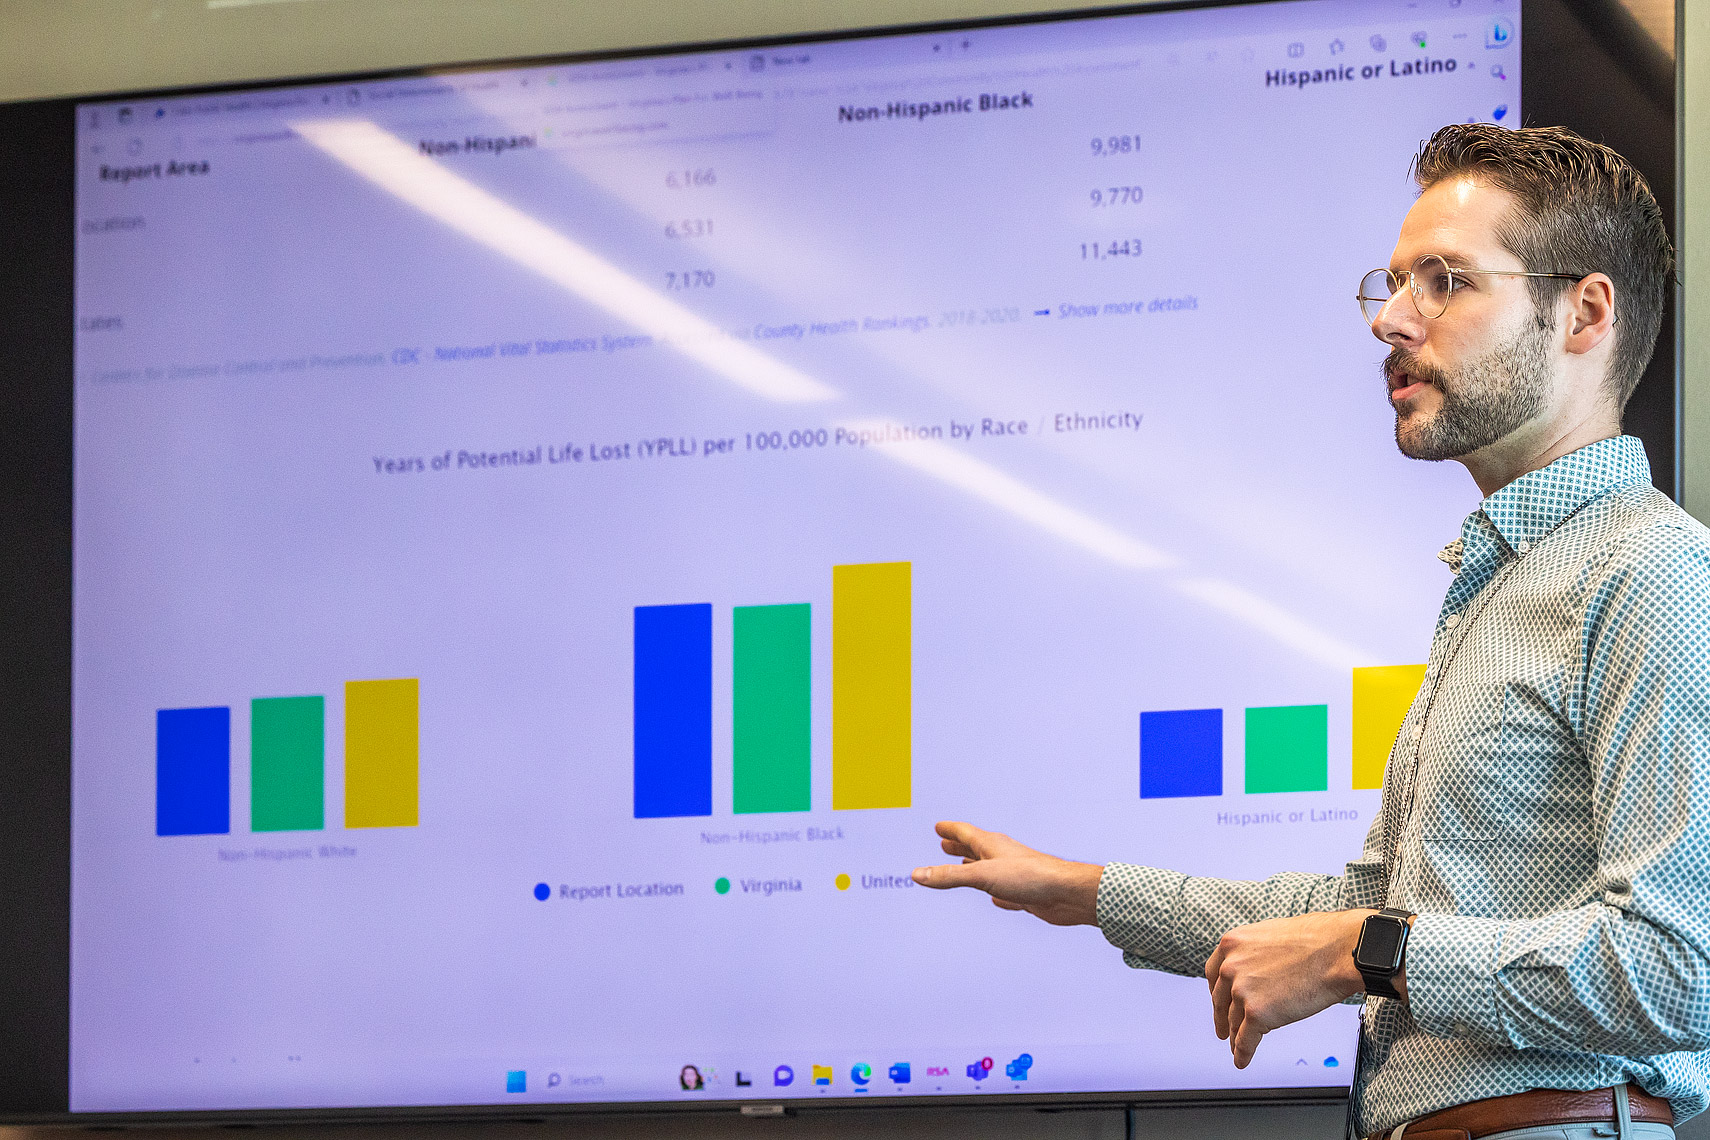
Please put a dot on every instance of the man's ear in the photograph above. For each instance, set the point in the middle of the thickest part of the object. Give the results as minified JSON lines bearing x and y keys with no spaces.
{"x":1590,"y":313}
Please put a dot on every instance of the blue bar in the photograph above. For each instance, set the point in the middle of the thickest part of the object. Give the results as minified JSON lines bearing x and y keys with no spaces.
{"x":673,"y":711}
{"x":193,"y":771}
{"x":1181,"y":753}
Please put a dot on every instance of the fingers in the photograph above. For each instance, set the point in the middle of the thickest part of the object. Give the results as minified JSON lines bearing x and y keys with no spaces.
{"x":1006,"y":905}
{"x":1246,"y":1042}
{"x":947,"y":875}
{"x":1222,"y":999}
{"x":975,"y":843}
{"x":1214,"y":965}
{"x":1219,"y":983}
{"x":958,"y":838}
{"x":955,"y":831}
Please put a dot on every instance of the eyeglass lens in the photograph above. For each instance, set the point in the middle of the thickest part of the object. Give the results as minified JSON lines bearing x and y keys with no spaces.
{"x":1431,"y":282}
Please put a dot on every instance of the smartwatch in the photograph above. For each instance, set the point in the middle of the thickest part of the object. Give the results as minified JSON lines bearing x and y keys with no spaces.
{"x":1382,"y":949}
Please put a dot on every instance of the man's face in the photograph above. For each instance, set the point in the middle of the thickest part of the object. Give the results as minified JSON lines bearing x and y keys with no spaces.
{"x":1484,"y":368}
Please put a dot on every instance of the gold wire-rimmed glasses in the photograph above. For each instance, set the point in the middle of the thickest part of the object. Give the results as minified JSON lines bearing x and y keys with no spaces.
{"x":1432,"y":281}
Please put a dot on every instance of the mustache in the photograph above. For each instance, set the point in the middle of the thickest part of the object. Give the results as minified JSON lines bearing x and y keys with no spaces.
{"x":1401,"y":362}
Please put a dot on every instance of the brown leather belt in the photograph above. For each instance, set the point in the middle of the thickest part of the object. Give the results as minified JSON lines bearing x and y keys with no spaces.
{"x":1532,"y":1109}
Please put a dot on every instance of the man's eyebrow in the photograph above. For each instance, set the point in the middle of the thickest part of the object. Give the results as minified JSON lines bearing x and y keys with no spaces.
{"x":1454,"y":260}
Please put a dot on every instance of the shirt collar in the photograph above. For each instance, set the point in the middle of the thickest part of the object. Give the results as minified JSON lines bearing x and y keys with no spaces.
{"x":1539,"y":501}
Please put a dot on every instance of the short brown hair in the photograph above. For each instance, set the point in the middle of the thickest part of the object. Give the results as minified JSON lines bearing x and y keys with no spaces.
{"x":1582,"y":209}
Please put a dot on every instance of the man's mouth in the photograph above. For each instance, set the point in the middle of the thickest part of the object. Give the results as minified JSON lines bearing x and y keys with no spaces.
{"x":1403,"y":385}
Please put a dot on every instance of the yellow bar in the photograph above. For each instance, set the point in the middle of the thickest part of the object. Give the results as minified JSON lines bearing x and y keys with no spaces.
{"x":871,"y":685}
{"x":1382,"y":696}
{"x":381,"y":753}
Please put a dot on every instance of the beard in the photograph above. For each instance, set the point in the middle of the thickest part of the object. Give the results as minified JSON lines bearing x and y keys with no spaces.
{"x":1484,"y":400}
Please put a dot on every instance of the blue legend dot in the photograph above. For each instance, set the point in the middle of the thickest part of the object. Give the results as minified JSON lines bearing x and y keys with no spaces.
{"x":542,"y":891}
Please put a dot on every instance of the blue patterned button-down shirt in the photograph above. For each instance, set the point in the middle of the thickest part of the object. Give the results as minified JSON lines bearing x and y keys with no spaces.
{"x":1546,"y":811}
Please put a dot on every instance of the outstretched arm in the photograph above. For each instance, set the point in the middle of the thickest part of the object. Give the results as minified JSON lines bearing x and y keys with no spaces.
{"x":1272,"y":952}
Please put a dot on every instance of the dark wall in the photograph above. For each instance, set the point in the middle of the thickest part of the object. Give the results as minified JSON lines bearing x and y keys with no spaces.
{"x":1586,"y":67}
{"x":35,"y":601}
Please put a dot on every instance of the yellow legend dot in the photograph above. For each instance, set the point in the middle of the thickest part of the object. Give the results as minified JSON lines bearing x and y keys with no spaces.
{"x":843,"y":882}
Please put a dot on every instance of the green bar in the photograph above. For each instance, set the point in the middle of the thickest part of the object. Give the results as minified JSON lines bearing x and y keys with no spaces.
{"x":287,"y":763}
{"x":772,"y":713}
{"x":1288,"y":749}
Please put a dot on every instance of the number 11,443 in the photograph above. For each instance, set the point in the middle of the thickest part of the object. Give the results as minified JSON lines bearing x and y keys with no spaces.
{"x":1110,"y":250}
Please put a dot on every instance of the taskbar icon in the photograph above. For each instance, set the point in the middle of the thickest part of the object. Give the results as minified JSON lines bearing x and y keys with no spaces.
{"x":862,"y":1074}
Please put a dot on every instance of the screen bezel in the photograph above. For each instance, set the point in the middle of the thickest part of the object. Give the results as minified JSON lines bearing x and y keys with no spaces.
{"x":36,"y":439}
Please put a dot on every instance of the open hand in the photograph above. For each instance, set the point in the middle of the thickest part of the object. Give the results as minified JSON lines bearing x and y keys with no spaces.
{"x":1017,"y":877}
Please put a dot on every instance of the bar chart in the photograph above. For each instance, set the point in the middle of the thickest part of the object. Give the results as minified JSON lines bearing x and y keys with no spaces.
{"x":193,"y":771}
{"x":871,"y":686}
{"x":382,"y":753}
{"x":287,"y":762}
{"x":772,"y":708}
{"x":771,"y":695}
{"x":1382,"y":695}
{"x":673,"y":711}
{"x":1181,"y":753}
{"x":1286,"y":747}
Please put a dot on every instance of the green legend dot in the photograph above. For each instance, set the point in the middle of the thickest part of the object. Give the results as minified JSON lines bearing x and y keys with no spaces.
{"x":722,"y":886}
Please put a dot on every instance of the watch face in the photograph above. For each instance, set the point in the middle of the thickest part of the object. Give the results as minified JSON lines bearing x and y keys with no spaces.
{"x":1380,"y":944}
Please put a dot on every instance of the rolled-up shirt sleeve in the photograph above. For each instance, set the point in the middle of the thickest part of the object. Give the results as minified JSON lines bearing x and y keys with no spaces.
{"x":1628,"y":972}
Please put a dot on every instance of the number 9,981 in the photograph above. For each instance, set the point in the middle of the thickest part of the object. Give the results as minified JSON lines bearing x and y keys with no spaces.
{"x":1111,"y":145}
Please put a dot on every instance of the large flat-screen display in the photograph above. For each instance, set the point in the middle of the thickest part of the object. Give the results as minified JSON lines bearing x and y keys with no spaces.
{"x":547,"y":541}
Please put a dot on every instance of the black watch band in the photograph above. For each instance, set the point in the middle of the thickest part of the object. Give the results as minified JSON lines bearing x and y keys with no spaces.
{"x":1382,"y":950}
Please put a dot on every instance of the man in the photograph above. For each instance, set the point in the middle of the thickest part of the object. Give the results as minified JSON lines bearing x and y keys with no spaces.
{"x":1543,"y":846}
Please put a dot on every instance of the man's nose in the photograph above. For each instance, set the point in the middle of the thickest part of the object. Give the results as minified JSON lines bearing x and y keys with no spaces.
{"x":1399,"y":322}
